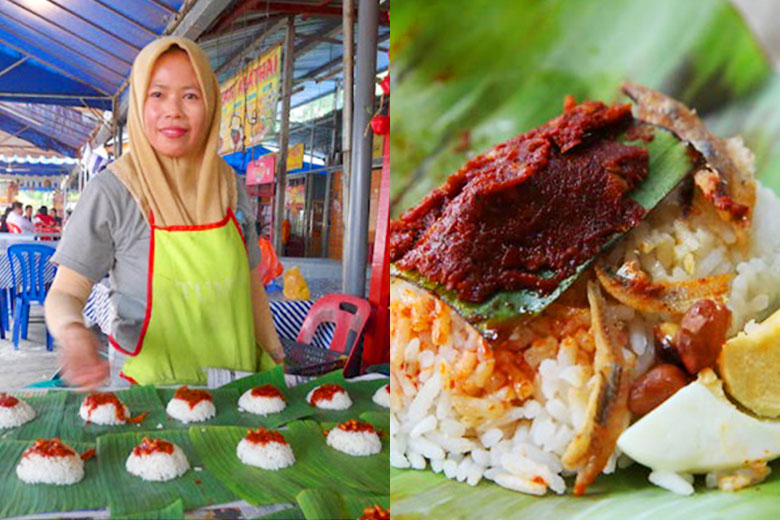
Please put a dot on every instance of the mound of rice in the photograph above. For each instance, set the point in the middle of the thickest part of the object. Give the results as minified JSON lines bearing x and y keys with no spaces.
{"x":266,"y":449}
{"x":508,"y":412}
{"x":262,"y":400}
{"x":14,"y":412}
{"x":102,"y":409}
{"x":36,"y":467}
{"x":329,"y":397}
{"x":182,"y":409}
{"x":157,"y":466}
{"x":382,"y":396}
{"x":355,"y":438}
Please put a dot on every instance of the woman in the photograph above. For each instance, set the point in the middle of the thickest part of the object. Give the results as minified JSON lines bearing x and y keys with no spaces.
{"x":169,"y":222}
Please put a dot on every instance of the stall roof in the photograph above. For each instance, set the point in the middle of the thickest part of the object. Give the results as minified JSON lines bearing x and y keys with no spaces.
{"x":74,"y":52}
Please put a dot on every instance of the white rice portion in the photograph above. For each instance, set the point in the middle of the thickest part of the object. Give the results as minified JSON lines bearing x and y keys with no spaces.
{"x":260,"y":405}
{"x":60,"y":471}
{"x":357,"y":444}
{"x":15,"y":416}
{"x":103,"y":414}
{"x":271,"y":455}
{"x":339,"y":401}
{"x":522,"y":448}
{"x":180,"y":410}
{"x":158,"y":466}
{"x":382,"y":396}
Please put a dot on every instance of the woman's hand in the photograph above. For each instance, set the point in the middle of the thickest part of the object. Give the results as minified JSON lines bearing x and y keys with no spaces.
{"x":82,"y":366}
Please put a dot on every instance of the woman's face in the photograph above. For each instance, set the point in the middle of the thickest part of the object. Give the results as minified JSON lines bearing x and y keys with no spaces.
{"x":174,"y":109}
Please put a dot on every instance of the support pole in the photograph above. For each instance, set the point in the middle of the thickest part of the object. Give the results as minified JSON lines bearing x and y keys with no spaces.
{"x":284,"y":135}
{"x":348,"y":28}
{"x":355,"y":254}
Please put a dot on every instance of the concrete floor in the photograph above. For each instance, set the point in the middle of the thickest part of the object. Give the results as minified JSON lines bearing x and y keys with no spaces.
{"x":31,"y":362}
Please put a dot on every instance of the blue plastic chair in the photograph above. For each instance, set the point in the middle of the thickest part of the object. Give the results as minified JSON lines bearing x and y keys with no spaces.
{"x":32,"y":288}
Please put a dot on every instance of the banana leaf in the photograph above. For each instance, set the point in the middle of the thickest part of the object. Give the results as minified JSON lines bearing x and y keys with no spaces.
{"x":225,"y":401}
{"x":48,"y":408}
{"x":129,"y":495}
{"x":296,"y":409}
{"x":669,"y":164}
{"x":139,"y":399}
{"x":467,"y":78}
{"x":316,"y":466}
{"x":18,"y":498}
{"x":361,"y":393}
{"x":289,"y":513}
{"x":626,"y":494}
{"x":325,"y":504}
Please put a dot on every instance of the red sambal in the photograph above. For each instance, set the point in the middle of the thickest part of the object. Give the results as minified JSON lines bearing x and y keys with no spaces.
{"x":375,"y":513}
{"x":267,"y":391}
{"x":192,"y":395}
{"x":325,"y":393}
{"x":356,"y":426}
{"x":49,"y":448}
{"x":532,"y":209}
{"x":262,"y":436}
{"x":149,"y":446}
{"x":7,"y":400}
{"x":98,"y":399}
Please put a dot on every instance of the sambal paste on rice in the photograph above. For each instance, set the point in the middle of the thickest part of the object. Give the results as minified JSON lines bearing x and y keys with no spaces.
{"x":528,"y":212}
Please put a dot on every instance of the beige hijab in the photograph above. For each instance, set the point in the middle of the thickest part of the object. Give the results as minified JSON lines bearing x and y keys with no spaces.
{"x":197,"y":188}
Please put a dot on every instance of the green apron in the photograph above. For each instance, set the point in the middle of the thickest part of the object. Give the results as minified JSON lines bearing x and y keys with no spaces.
{"x":198,"y":306}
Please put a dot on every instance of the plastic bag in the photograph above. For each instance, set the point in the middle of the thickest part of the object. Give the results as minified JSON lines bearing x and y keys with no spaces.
{"x":295,"y":287}
{"x":270,"y":266}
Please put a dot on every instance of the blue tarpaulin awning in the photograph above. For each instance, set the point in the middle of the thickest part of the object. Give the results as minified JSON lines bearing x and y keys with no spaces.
{"x":74,"y":52}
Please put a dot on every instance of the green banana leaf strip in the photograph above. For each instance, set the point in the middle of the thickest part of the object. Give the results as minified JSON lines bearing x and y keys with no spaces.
{"x":170,"y":512}
{"x":225,"y":401}
{"x":326,"y":504}
{"x":316,"y":466}
{"x":289,"y":513}
{"x":361,"y":393}
{"x":296,"y":409}
{"x":18,"y":498}
{"x":139,"y":399}
{"x":380,"y":420}
{"x":131,"y":495}
{"x":48,"y":408}
{"x":625,"y":494}
{"x":669,"y":164}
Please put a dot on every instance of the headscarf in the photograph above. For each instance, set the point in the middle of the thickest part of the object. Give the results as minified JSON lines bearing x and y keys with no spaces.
{"x":194,"y":189}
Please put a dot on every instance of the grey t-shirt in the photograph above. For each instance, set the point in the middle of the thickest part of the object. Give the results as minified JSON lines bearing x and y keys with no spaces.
{"x":107,"y":234}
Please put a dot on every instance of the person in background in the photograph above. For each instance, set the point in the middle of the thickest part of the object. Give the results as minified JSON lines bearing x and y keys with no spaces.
{"x":4,"y":220}
{"x":43,"y":217}
{"x":16,"y":220}
{"x":56,"y":216}
{"x":28,"y":214}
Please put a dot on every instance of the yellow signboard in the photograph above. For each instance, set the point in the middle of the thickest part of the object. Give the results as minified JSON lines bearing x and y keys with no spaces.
{"x":295,"y":157}
{"x":249,"y":102}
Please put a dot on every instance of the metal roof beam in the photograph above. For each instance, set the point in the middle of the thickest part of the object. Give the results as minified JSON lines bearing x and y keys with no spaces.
{"x":74,"y":97}
{"x":241,"y":31}
{"x":41,"y":121}
{"x":294,"y":8}
{"x":8,"y":137}
{"x":232,"y":16}
{"x":13,"y":65}
{"x":53,"y":138}
{"x":164,"y":7}
{"x":56,"y":68}
{"x":252,"y":47}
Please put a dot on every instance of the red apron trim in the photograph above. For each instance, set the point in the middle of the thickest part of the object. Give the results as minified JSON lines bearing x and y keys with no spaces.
{"x":197,"y":227}
{"x":128,"y":378}
{"x":238,"y":226}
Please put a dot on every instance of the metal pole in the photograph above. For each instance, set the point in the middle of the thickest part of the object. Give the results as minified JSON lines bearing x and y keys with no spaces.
{"x":348,"y":28}
{"x":284,"y":135}
{"x":326,"y":216}
{"x":355,"y":255}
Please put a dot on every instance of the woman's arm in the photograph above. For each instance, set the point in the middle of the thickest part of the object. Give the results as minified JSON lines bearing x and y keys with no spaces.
{"x":81,"y":364}
{"x":265,"y":332}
